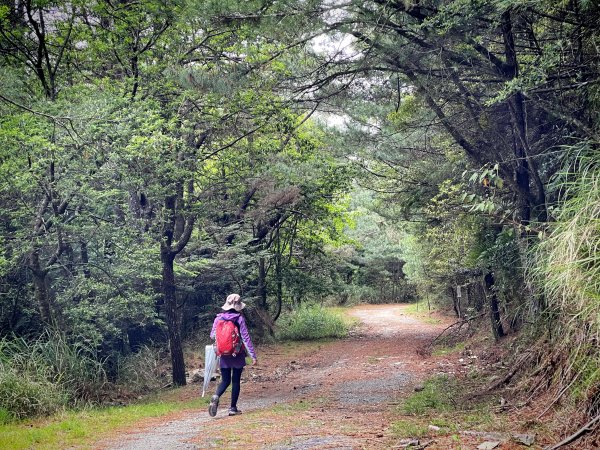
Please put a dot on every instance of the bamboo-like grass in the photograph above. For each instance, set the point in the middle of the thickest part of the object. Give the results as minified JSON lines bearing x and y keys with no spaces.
{"x":568,"y":274}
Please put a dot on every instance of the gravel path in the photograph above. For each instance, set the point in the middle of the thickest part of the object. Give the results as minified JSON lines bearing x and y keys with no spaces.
{"x":174,"y":434}
{"x":349,"y":387}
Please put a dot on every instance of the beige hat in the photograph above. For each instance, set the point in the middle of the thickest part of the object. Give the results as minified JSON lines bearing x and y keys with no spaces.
{"x":233,"y":302}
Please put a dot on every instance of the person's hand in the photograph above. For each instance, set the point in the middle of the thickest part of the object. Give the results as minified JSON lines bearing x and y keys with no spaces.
{"x":253,"y":361}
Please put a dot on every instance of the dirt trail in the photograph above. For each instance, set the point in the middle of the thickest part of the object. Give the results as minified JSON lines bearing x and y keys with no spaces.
{"x":334,"y":395}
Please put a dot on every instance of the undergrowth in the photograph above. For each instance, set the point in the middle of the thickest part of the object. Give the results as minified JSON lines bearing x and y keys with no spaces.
{"x":310,"y":323}
{"x":49,"y":374}
{"x":443,"y":405}
{"x":143,"y":371}
{"x":422,"y":310}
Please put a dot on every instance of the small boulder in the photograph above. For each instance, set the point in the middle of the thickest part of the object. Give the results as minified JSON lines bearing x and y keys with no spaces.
{"x":488,"y":445}
{"x":404,"y":443}
{"x":196,"y":376}
{"x":525,"y":439}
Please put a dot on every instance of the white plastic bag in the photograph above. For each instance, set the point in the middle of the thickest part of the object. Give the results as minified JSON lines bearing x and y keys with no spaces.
{"x":210,"y":365}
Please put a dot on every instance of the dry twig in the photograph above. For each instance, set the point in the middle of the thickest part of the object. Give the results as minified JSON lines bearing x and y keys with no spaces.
{"x":455,"y":327}
{"x":583,"y":430}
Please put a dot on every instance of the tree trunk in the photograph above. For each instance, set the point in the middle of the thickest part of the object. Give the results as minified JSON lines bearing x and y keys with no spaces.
{"x":525,"y":169}
{"x":522,"y":167}
{"x":171,"y":314}
{"x":40,"y":288}
{"x":179,"y":219}
{"x":455,"y":301}
{"x":494,"y":306}
{"x":278,"y":279}
{"x":262,"y":283}
{"x":476,"y":296}
{"x":84,"y":258}
{"x":168,"y":251}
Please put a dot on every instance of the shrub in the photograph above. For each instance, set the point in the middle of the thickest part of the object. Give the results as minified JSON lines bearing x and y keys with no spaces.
{"x":71,"y":365}
{"x":312,"y":322}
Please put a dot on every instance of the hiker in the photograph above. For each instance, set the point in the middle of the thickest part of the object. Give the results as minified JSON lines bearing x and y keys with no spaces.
{"x":232,"y":365}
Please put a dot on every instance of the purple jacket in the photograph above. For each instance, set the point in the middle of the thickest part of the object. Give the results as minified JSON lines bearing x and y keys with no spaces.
{"x":238,"y":361}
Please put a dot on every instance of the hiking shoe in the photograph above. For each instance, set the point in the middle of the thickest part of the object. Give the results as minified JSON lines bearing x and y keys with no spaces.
{"x":234,"y":411}
{"x":213,"y":405}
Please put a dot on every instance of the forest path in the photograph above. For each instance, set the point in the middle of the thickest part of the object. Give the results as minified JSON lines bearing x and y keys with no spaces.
{"x":330,"y":395}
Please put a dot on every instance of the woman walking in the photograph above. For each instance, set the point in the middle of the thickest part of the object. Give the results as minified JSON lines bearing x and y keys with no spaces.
{"x":232,"y":365}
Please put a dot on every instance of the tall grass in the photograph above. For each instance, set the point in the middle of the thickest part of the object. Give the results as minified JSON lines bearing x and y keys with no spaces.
{"x":44,"y":375}
{"x":143,"y":371}
{"x":25,"y":396}
{"x":568,"y":273}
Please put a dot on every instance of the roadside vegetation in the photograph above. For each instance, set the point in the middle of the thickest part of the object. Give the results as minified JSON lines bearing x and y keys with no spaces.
{"x":79,"y":427}
{"x":447,"y":410}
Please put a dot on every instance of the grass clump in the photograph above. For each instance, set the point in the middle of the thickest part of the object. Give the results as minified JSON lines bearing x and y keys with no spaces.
{"x":408,"y":429}
{"x":51,"y":373}
{"x":438,"y":394}
{"x":25,"y":396}
{"x":443,"y":407}
{"x":446,"y":403}
{"x":459,"y":346}
{"x":42,"y":376}
{"x":142,"y":372}
{"x":421,"y":311}
{"x":310,"y":323}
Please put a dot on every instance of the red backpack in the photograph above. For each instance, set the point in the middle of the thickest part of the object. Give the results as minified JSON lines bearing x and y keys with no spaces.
{"x":229,"y":341}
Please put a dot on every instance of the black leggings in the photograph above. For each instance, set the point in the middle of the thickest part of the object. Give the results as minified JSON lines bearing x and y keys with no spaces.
{"x":226,"y":379}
